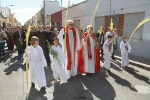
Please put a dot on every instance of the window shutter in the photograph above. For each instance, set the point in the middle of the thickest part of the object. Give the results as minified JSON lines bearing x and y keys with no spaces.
{"x":121,"y":24}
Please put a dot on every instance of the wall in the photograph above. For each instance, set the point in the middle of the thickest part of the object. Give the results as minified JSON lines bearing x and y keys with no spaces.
{"x":76,"y":12}
{"x":38,"y":14}
{"x":51,"y":7}
{"x":126,"y":7}
{"x":47,"y":20}
{"x":12,"y":20}
{"x":57,"y":18}
{"x":7,"y":12}
{"x":2,"y":20}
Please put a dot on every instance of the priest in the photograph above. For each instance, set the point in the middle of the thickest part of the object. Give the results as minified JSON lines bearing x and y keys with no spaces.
{"x":70,"y":46}
{"x":89,"y":54}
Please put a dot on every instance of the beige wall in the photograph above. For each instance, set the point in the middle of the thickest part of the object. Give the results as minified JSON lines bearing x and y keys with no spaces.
{"x":2,"y":20}
{"x":38,"y":17}
{"x":47,"y":20}
{"x":12,"y":20}
{"x":76,"y":13}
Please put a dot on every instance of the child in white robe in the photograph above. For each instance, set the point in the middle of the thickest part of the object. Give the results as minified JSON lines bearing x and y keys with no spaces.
{"x":125,"y":49}
{"x":108,"y":49}
{"x":59,"y":71}
{"x":37,"y":63}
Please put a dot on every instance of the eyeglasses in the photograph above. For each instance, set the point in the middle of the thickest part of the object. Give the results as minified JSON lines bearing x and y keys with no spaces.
{"x":71,"y":24}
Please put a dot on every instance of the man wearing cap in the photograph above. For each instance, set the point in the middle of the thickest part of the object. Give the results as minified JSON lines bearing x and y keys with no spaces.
{"x":19,"y":38}
{"x":125,"y":49}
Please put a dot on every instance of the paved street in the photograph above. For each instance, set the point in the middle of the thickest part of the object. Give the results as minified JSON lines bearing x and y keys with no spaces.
{"x":119,"y":84}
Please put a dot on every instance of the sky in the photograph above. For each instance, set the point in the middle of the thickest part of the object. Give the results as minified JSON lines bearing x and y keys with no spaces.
{"x":25,"y":9}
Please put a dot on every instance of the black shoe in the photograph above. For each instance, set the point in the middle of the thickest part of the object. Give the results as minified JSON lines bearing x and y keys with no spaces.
{"x":33,"y":85}
{"x":90,"y":74}
{"x":43,"y":88}
{"x":108,"y":71}
{"x":126,"y":67}
{"x":19,"y":57}
{"x":114,"y":59}
{"x":104,"y":68}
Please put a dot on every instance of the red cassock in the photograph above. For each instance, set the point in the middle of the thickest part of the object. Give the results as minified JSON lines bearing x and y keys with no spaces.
{"x":81,"y":65}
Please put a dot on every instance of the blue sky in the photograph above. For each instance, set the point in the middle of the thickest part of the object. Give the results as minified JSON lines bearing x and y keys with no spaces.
{"x":25,"y":9}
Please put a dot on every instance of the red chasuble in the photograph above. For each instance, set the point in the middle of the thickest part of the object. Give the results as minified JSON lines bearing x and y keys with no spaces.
{"x":81,"y":65}
{"x":68,"y":46}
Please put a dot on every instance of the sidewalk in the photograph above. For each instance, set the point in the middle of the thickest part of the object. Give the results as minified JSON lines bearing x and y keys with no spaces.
{"x":137,"y":61}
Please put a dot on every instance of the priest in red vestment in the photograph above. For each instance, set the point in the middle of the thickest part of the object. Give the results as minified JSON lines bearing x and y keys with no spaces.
{"x":89,"y":53}
{"x":70,"y":47}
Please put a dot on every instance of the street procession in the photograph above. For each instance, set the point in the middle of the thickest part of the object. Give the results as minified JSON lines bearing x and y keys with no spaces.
{"x":75,"y":50}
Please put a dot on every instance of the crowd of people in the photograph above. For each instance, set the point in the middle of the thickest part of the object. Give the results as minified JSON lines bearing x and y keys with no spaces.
{"x":68,"y":51}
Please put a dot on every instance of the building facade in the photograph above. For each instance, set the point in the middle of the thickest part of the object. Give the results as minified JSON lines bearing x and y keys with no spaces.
{"x":47,"y":20}
{"x":126,"y":14}
{"x":56,"y":19}
{"x":51,"y":7}
{"x":77,"y":13}
{"x":3,"y":20}
{"x":6,"y":12}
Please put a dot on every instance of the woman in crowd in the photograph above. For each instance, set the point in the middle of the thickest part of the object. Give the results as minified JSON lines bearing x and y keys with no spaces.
{"x":10,"y":41}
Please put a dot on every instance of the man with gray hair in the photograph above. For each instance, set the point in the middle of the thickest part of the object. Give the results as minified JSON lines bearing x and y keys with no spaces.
{"x":89,"y":55}
{"x":70,"y":46}
{"x":49,"y":35}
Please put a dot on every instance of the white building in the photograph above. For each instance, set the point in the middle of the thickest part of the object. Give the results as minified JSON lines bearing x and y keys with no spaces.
{"x":77,"y":13}
{"x":7,"y":13}
{"x":51,"y":7}
{"x":126,"y":15}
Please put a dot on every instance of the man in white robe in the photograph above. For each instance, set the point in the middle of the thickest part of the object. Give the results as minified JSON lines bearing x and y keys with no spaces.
{"x":70,"y":47}
{"x":125,"y":49}
{"x":59,"y":71}
{"x":108,"y":49}
{"x":37,"y":62}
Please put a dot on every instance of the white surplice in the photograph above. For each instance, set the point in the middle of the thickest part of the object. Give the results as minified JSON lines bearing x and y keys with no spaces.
{"x":74,"y":60}
{"x":37,"y":63}
{"x":89,"y":63}
{"x":124,"y":53}
{"x":107,"y":54}
{"x":58,"y":69}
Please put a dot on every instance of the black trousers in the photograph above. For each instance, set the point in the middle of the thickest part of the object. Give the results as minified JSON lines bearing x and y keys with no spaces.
{"x":101,"y":46}
{"x":114,"y":48}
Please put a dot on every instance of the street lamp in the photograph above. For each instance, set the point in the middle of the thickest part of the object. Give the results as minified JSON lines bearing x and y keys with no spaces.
{"x":9,"y":5}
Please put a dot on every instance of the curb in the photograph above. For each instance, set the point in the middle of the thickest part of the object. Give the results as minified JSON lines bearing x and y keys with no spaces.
{"x":138,"y":64}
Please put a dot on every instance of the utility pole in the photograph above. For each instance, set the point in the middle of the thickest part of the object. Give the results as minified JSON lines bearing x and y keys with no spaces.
{"x":61,"y":3}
